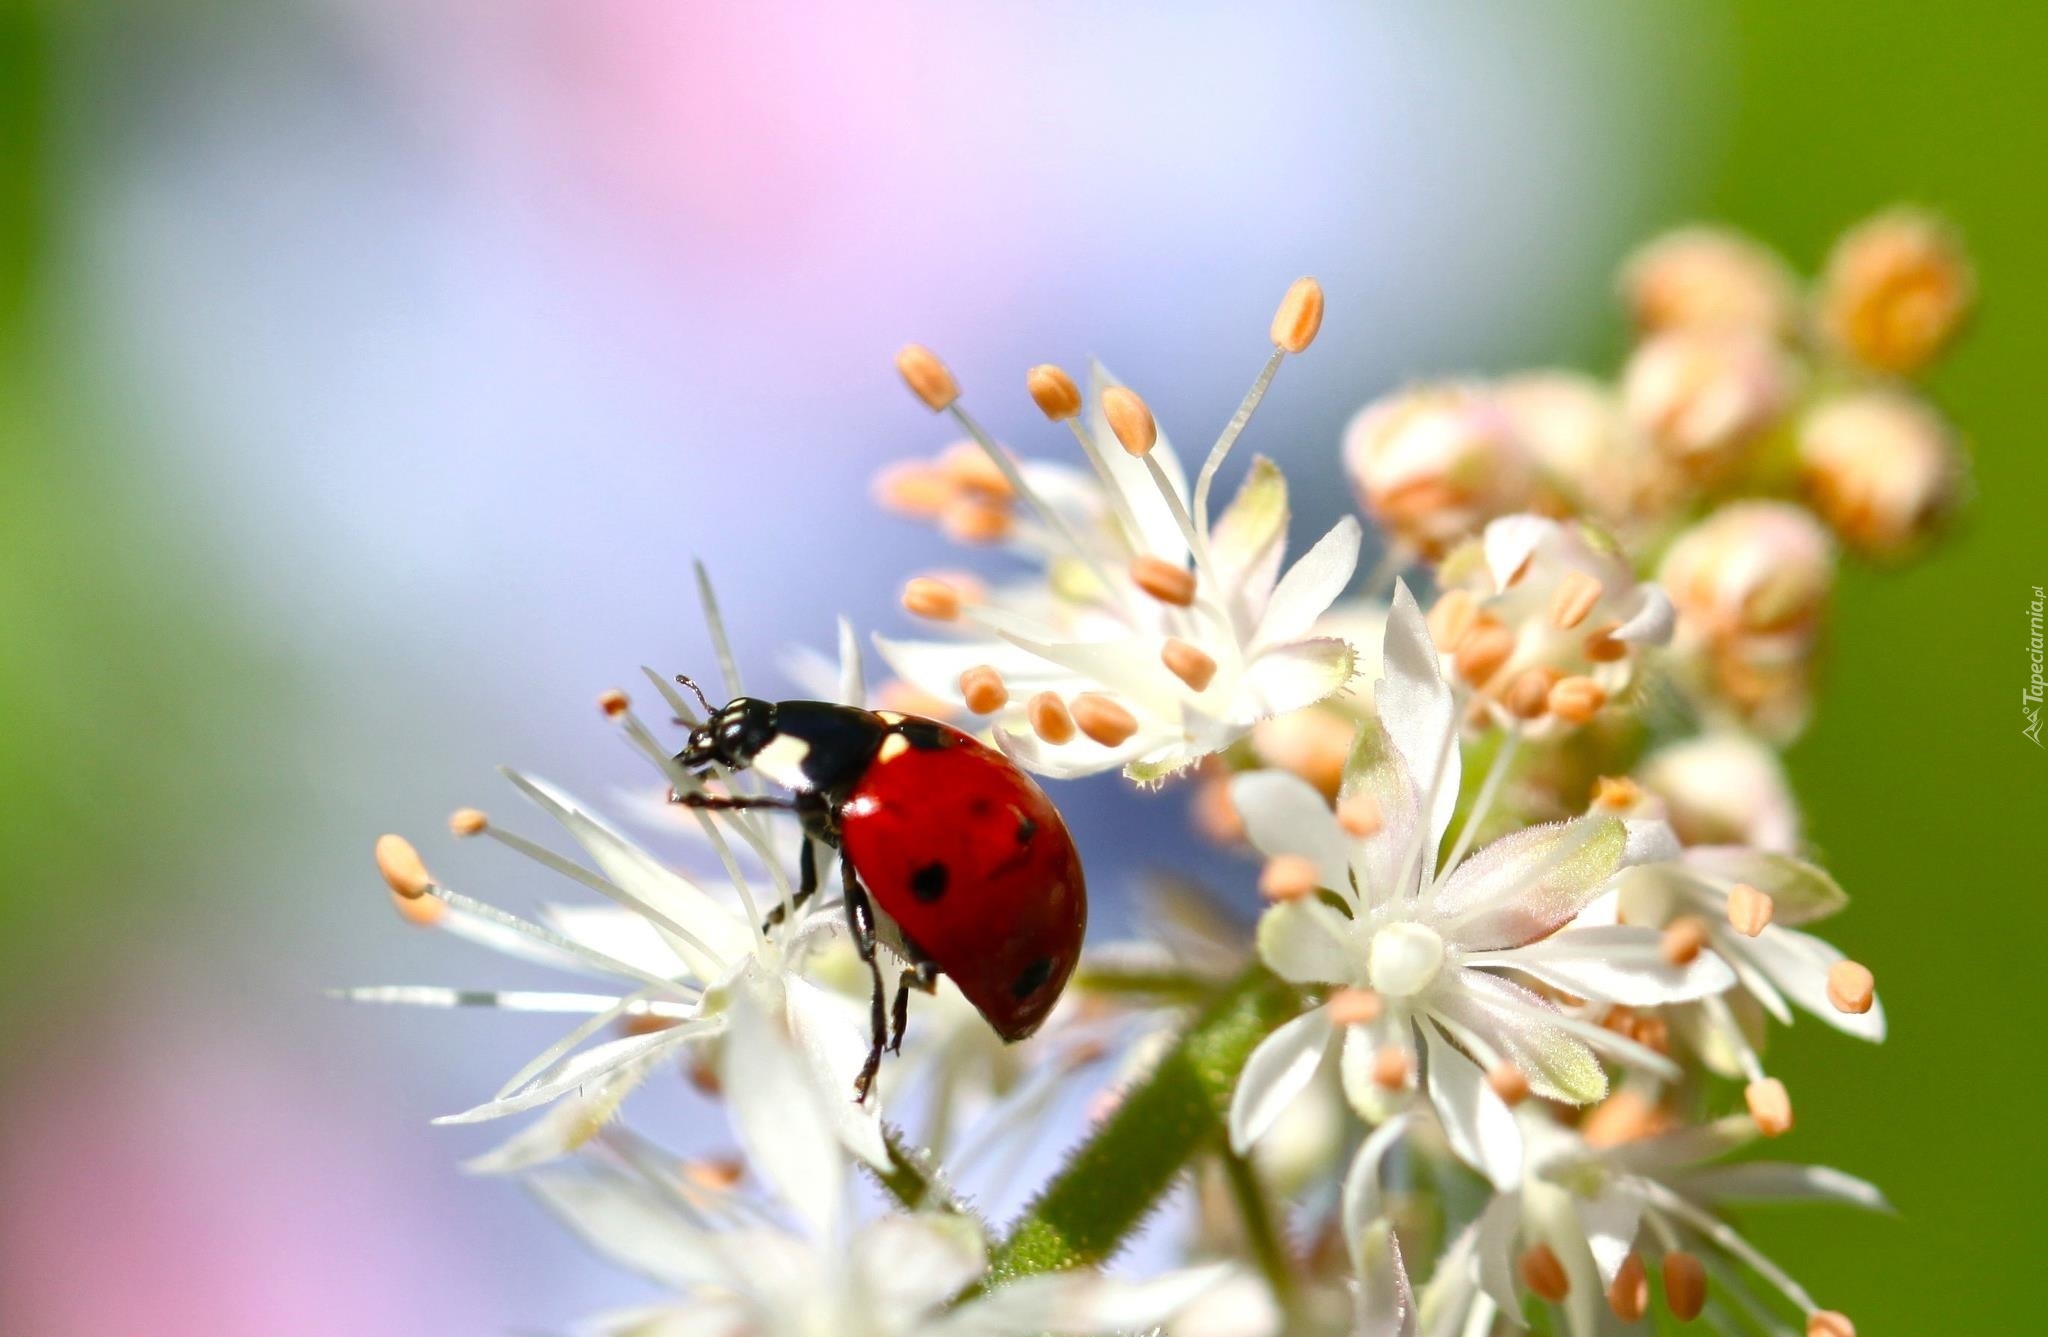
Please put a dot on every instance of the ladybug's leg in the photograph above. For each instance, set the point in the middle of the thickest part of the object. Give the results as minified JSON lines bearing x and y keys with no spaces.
{"x":923,"y":977}
{"x":806,"y":884}
{"x":860,"y":917}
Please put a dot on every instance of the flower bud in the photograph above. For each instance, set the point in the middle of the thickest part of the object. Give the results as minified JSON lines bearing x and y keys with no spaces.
{"x":1433,"y":464}
{"x":1725,"y":788}
{"x":1750,"y":568}
{"x":1897,"y":289}
{"x":1701,"y":396}
{"x":1880,"y":466}
{"x":1750,"y":583}
{"x":1572,"y":428}
{"x":1711,"y":277}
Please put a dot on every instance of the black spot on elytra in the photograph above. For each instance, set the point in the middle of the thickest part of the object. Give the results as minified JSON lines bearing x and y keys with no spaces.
{"x":929,"y":882}
{"x":1026,"y":828}
{"x":979,"y":807}
{"x":1031,"y":978}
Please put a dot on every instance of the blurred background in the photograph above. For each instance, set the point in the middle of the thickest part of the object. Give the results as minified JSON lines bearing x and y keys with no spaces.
{"x":370,"y":371}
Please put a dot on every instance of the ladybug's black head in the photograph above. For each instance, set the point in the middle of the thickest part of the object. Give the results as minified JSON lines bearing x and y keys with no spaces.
{"x":732,"y":737}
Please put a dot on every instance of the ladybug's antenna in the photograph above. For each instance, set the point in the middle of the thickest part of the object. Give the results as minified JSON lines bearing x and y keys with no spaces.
{"x":691,"y":683}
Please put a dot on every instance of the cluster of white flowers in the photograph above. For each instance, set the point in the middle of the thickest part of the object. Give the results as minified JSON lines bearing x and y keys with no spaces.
{"x":1522,"y":926}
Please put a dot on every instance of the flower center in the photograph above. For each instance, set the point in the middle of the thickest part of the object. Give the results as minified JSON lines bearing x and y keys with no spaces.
{"x":1404,"y":959}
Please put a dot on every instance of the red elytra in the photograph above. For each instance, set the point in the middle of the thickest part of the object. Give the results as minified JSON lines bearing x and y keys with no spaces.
{"x":972,"y":861}
{"x":965,"y":858}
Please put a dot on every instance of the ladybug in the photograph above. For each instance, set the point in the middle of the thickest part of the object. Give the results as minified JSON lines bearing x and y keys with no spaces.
{"x":949,"y":854}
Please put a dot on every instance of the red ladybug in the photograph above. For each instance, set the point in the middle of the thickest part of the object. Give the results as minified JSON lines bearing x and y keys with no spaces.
{"x":970,"y":869}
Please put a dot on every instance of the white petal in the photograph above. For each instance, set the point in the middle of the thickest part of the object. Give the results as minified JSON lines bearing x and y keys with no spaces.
{"x":1798,"y":963}
{"x":1079,"y":1302}
{"x":1294,"y":676}
{"x":914,"y":1264}
{"x":1275,"y":1074}
{"x":834,"y":1047}
{"x":1491,"y":1016}
{"x":1652,"y":621}
{"x":1415,"y":705}
{"x":1551,"y":1215}
{"x":1356,"y":1053}
{"x":1128,"y":666}
{"x":1617,"y":964}
{"x":1310,"y":586}
{"x":935,"y":666}
{"x":1510,"y":541}
{"x":566,"y":1127}
{"x":624,"y":1219}
{"x":1082,"y":757}
{"x":1309,"y":942}
{"x":777,"y":1109}
{"x":586,"y":1069}
{"x":1499,"y":1225}
{"x":1610,"y":1221}
{"x":1651,"y":840}
{"x":715,"y":937}
{"x":1284,"y":814}
{"x":1800,"y":892}
{"x":1385,"y":1305}
{"x":1657,"y":1157}
{"x":853,"y":674}
{"x":1772,"y":1181}
{"x":617,"y":932}
{"x":1528,"y":884}
{"x":1477,"y":1123}
{"x":1364,"y":1203}
{"x":1247,"y":542}
{"x":1375,"y":768}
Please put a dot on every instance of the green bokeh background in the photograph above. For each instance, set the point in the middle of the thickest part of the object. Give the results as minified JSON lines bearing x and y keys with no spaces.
{"x":135,"y":709}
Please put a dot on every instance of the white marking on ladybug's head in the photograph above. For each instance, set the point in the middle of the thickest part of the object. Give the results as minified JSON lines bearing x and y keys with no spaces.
{"x":890,"y":716}
{"x":782,"y":761}
{"x":894,"y":746}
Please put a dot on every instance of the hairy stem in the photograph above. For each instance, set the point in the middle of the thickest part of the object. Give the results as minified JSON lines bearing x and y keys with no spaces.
{"x":1115,"y":1178}
{"x":1269,"y":1250}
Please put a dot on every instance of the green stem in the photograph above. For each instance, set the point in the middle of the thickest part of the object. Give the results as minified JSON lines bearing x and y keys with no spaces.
{"x":1268,"y":1249}
{"x":1113,"y":1180}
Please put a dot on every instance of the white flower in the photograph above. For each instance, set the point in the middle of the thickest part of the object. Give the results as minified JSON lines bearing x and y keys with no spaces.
{"x":1420,"y":954}
{"x":1587,"y":1217}
{"x":697,"y":970}
{"x":1546,"y":622}
{"x":739,"y":1272}
{"x":1748,"y":903}
{"x":1124,"y":656}
{"x":1589,"y":463}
